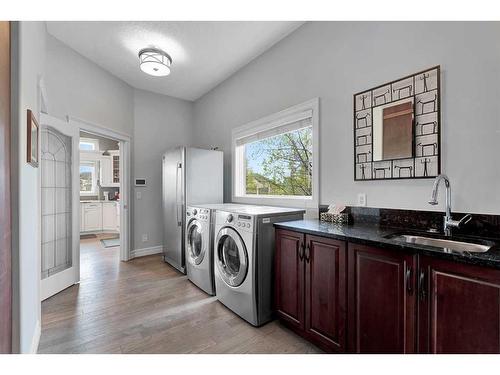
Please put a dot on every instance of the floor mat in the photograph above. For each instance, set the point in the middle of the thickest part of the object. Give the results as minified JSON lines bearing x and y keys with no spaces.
{"x":87,"y":236}
{"x":111,"y":242}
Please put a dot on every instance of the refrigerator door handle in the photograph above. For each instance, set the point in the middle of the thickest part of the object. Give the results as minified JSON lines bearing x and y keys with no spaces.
{"x":178,"y":181}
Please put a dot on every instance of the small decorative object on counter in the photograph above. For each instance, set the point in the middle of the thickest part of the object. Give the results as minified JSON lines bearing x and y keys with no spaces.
{"x":335,"y":215}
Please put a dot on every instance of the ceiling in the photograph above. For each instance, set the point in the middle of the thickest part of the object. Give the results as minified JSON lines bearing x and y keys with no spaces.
{"x":203,"y":53}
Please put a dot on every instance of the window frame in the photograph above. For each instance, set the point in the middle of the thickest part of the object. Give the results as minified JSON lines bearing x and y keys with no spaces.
{"x":91,"y":141}
{"x":238,"y":179}
{"x":94,"y":164}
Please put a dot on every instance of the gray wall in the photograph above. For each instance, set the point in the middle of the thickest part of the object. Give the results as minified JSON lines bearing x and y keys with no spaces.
{"x":78,"y":87}
{"x":333,"y":60}
{"x":161,"y":122}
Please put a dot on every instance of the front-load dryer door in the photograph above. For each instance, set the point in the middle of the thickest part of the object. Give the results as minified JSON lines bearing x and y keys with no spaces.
{"x":232,"y":257}
{"x":195,"y":246}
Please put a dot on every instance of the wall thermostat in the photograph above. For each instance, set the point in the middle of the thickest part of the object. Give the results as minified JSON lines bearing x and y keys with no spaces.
{"x":140,"y":181}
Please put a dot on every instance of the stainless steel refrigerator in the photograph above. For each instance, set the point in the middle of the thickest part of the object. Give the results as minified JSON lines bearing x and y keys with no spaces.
{"x":190,"y":176}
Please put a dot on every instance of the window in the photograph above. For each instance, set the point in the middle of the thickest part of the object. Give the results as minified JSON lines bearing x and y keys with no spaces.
{"x":273,"y":158}
{"x":88,"y":178}
{"x":89,"y":144}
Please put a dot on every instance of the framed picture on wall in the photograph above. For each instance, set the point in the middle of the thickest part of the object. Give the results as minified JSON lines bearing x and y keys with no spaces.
{"x":32,"y":140}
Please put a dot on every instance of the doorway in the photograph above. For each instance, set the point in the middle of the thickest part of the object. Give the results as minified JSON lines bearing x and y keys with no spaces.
{"x":99,"y":202}
{"x":84,"y":199}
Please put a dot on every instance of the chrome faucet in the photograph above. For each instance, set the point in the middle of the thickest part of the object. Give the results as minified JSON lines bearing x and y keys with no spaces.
{"x":448,"y":221}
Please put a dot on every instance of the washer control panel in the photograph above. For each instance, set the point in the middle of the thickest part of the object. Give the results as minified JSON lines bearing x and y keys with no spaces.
{"x":243,"y":221}
{"x":202,"y":214}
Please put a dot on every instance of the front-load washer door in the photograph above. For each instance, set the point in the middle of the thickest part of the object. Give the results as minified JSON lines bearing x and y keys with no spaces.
{"x":196,"y":249}
{"x":232,"y":257}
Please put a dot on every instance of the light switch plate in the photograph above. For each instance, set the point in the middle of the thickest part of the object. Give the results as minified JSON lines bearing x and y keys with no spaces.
{"x":362,"y":199}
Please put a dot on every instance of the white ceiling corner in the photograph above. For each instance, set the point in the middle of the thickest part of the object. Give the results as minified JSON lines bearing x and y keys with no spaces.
{"x":204,"y":53}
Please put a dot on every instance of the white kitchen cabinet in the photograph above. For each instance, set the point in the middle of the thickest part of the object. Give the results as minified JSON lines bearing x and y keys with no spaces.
{"x":110,"y":170}
{"x":92,"y":217}
{"x":100,"y":216}
{"x":109,"y":217}
{"x":106,"y":171}
{"x":115,"y":167}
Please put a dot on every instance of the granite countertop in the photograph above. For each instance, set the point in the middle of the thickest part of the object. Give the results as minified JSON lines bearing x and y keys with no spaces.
{"x":375,"y":235}
{"x":99,"y":201}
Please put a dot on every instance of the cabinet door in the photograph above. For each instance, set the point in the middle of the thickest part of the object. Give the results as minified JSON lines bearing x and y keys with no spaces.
{"x":325,"y":292}
{"x":109,"y":216}
{"x":116,"y":169}
{"x":289,"y":277}
{"x":381,"y":300}
{"x":93,"y":216}
{"x":106,"y":171}
{"x":459,"y":308}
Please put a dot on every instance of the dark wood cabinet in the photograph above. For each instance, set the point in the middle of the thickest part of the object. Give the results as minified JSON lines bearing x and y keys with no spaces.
{"x":310,"y":289}
{"x":459,"y":308}
{"x":381,"y":300}
{"x":289,"y":278}
{"x":346,"y":297}
{"x":325,"y":292}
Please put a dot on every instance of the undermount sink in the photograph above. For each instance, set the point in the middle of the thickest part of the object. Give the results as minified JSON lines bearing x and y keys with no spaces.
{"x":448,"y":245}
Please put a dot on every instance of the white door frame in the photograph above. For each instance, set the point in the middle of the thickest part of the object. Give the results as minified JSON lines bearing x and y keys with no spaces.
{"x":70,"y":276}
{"x":125,"y":196}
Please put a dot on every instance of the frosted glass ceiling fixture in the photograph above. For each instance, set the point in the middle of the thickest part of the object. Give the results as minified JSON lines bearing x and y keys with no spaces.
{"x":155,"y":62}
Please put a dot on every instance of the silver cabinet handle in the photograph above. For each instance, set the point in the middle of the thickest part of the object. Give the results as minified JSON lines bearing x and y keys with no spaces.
{"x":177,"y":202}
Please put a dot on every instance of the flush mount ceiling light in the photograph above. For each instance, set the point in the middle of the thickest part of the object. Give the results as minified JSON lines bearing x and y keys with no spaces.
{"x":155,"y":62}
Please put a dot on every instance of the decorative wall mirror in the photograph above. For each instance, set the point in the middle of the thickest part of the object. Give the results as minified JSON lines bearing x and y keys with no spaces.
{"x":397,"y":128}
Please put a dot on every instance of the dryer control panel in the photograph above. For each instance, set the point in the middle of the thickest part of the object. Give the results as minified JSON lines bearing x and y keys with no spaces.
{"x":240,"y":222}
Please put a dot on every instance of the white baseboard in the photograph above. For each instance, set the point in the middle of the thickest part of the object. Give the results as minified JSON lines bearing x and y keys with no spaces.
{"x":146,"y":251}
{"x":36,"y":338}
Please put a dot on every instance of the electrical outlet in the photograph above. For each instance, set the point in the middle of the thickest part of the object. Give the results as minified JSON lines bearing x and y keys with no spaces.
{"x":145,"y":237}
{"x":362,"y":199}
{"x":138,"y":194}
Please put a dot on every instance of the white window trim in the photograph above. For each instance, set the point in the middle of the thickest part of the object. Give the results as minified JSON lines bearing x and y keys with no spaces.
{"x":95,"y":164}
{"x":267,"y":123}
{"x":92,"y":141}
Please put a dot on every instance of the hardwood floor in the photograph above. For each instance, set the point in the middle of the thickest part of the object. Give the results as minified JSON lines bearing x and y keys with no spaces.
{"x":146,"y":306}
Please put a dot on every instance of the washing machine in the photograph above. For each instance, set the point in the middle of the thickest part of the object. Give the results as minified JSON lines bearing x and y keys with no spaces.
{"x":198,"y":247}
{"x":244,"y":257}
{"x":200,"y":220}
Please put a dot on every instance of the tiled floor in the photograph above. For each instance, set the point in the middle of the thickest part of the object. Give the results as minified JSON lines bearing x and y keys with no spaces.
{"x":146,"y":306}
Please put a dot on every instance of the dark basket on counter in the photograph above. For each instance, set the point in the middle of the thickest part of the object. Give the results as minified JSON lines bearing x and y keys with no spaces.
{"x":340,"y":219}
